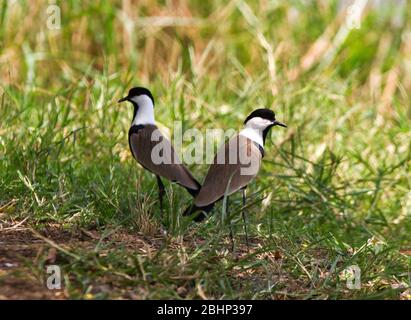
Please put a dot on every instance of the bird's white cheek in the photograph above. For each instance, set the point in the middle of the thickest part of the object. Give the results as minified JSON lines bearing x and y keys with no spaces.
{"x":145,"y":113}
{"x":142,"y":100}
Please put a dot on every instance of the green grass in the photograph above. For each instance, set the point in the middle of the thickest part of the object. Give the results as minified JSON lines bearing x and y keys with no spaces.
{"x":334,"y":188}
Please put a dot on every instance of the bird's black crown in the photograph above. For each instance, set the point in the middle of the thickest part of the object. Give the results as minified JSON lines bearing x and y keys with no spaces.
{"x":262,"y":113}
{"x":138,"y":91}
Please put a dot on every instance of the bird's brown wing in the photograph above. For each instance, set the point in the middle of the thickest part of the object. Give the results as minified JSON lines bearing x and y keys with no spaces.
{"x":155,"y":153}
{"x":241,"y":167}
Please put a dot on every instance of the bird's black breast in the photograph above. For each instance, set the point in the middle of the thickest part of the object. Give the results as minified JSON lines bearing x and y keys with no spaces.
{"x":133,"y":129}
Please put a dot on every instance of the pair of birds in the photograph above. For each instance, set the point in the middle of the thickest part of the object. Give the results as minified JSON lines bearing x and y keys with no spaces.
{"x":225,"y":176}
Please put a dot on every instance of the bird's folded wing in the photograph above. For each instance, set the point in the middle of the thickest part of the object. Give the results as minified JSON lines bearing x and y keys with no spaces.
{"x":230,"y":168}
{"x":155,"y":153}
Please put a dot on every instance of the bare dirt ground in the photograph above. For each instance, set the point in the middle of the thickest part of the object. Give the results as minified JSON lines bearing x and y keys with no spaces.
{"x":24,"y":252}
{"x":19,"y":250}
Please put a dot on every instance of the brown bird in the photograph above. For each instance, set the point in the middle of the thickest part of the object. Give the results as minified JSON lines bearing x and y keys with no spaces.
{"x":236,"y":164}
{"x":151,"y":149}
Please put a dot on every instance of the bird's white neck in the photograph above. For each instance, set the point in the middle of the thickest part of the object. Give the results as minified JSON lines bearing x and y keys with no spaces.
{"x":145,"y":111}
{"x":254,"y":134}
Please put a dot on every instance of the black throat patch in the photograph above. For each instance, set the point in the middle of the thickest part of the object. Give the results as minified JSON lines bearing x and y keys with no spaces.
{"x":265,"y":132}
{"x":260,"y":148}
{"x":135,"y":105}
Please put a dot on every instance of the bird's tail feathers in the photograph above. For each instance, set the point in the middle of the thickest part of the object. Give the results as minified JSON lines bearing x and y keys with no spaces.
{"x":193,"y":192}
{"x":200,"y":212}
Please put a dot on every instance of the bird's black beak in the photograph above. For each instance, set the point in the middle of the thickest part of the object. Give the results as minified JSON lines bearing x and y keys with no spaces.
{"x":278,"y":123}
{"x":123,"y":99}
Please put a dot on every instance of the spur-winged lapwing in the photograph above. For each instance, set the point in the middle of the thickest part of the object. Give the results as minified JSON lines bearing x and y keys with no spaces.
{"x":144,"y":138}
{"x":236,"y":163}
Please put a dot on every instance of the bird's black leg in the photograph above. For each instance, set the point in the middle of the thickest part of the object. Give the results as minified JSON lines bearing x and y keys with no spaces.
{"x":230,"y":226}
{"x":231,"y":237}
{"x":161,"y":191}
{"x":244,"y":218}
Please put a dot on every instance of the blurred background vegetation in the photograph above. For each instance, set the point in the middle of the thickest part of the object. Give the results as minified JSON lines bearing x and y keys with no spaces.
{"x":335,"y":185}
